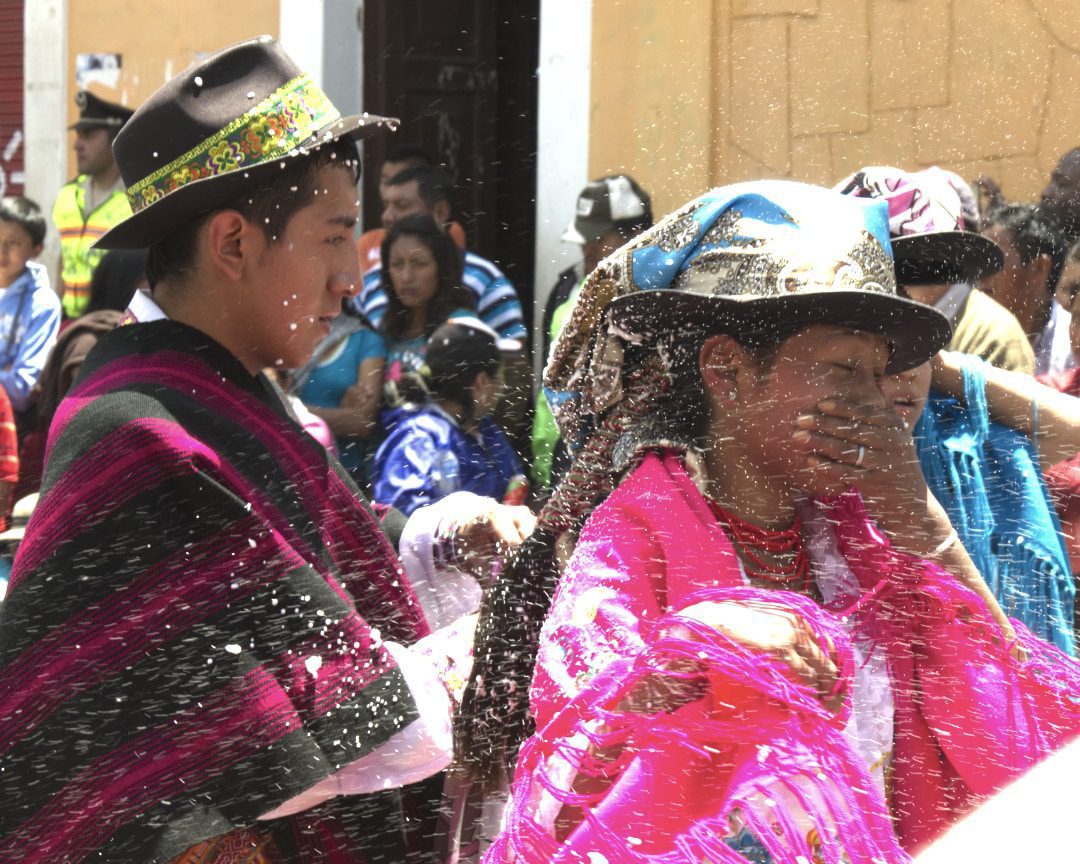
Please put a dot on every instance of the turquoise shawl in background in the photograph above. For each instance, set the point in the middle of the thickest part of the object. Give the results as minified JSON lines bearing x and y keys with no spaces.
{"x":987,"y":476}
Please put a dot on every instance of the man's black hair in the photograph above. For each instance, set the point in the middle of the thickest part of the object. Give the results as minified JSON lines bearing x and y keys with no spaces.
{"x":433,"y":184}
{"x":410,"y":153}
{"x":115,"y":279}
{"x":25,"y":213}
{"x":1034,"y":233}
{"x":271,"y":202}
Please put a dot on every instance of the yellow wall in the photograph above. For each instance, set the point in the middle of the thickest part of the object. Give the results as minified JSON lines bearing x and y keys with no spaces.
{"x":687,"y":94}
{"x":157,"y":39}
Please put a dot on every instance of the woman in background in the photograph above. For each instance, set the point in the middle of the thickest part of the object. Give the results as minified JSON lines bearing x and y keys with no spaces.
{"x":421,"y":272}
{"x":120,"y":274}
{"x":982,"y":463}
{"x":342,"y":384}
{"x":1063,"y":478}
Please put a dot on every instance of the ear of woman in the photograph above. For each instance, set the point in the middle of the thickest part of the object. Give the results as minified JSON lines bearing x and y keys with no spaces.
{"x":723,"y":362}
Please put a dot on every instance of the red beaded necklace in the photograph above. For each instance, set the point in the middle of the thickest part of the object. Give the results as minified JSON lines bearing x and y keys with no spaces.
{"x":752,"y":540}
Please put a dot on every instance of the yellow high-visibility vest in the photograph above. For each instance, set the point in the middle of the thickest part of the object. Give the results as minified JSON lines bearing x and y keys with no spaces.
{"x":78,"y":232}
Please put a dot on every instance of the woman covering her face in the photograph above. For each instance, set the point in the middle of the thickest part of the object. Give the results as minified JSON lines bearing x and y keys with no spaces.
{"x":768,"y":615}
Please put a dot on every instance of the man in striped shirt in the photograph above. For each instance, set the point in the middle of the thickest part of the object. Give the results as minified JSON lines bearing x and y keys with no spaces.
{"x":426,"y":189}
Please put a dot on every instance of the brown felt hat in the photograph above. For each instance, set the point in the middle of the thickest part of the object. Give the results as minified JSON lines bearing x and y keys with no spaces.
{"x":216,"y":129}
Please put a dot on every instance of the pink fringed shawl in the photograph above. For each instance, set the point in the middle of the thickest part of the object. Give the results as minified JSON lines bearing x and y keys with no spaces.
{"x":759,"y":750}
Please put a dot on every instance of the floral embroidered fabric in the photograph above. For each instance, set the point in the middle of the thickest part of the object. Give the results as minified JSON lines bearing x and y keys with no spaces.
{"x":285,"y":119}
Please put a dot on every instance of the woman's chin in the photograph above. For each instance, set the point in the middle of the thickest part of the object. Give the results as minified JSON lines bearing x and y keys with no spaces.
{"x":818,"y":483}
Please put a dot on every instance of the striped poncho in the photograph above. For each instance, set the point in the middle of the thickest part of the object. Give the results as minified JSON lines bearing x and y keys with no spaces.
{"x":194,"y":630}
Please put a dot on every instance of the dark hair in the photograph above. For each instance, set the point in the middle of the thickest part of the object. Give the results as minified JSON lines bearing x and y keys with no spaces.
{"x":449,"y":262}
{"x":410,"y":153}
{"x":1071,"y":256}
{"x":432,"y":184}
{"x":25,"y":213}
{"x":456,"y":354}
{"x":1034,"y":233}
{"x":1074,"y":153}
{"x":663,"y":400}
{"x":115,"y":279}
{"x":272,"y":201}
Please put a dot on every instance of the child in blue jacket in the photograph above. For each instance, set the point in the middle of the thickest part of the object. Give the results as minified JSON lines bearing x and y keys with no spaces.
{"x":442,"y":439}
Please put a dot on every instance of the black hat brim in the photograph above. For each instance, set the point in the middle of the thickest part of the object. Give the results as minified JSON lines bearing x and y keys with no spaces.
{"x":91,"y":123}
{"x":945,"y":257}
{"x":915,"y":332}
{"x":165,"y":216}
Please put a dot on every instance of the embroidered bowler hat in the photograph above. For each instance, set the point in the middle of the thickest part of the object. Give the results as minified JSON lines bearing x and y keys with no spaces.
{"x":217,"y":128}
{"x":752,"y":258}
{"x":928,"y":212}
{"x":97,"y":113}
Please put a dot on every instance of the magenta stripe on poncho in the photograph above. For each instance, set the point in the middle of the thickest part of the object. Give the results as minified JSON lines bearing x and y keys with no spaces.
{"x":193,"y":633}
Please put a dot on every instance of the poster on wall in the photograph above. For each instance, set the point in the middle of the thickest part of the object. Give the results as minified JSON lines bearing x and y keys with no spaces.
{"x":102,"y":68}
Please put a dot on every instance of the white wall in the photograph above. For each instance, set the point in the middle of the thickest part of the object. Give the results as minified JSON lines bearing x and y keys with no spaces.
{"x":45,"y":110}
{"x":301,"y":36}
{"x":562,"y":161}
{"x":342,"y":50}
{"x":324,"y":38}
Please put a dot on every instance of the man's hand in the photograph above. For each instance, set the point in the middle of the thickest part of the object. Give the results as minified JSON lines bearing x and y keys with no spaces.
{"x":487,"y":531}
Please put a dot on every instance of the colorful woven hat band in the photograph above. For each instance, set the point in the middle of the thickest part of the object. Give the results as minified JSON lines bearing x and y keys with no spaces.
{"x":282,"y":121}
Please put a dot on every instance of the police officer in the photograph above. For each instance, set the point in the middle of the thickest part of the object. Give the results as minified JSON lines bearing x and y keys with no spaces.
{"x":93,"y":202}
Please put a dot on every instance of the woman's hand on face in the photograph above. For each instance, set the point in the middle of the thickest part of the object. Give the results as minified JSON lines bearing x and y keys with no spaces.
{"x":778,"y":633}
{"x":869,"y":447}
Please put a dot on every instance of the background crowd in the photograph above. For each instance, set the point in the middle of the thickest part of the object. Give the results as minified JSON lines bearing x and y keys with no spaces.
{"x":411,"y":432}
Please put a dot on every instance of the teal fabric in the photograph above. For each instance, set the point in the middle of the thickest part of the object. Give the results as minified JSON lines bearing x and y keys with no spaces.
{"x":326,"y":382}
{"x":987,"y":477}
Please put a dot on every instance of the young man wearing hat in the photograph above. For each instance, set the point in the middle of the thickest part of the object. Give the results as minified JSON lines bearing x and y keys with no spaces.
{"x":93,"y":202}
{"x":209,"y":649}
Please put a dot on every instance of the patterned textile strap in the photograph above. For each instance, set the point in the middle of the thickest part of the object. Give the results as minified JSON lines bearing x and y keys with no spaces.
{"x":243,"y":846}
{"x":590,"y":475}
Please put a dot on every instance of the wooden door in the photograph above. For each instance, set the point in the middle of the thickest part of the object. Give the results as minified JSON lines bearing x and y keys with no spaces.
{"x":460,"y":74}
